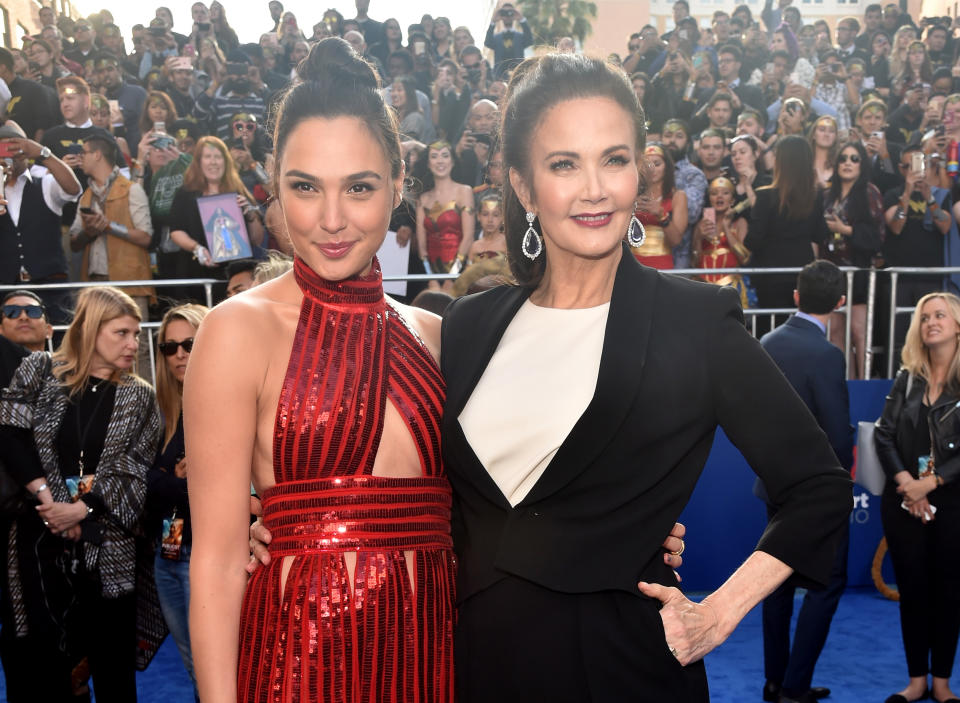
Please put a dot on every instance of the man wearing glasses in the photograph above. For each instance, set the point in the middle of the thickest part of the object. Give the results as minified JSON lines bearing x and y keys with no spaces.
{"x":23,"y":320}
{"x":84,"y":44}
{"x":644,"y":48}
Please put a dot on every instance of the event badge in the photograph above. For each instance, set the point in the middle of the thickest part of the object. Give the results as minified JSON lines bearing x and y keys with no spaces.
{"x":79,"y":486}
{"x":172,"y":538}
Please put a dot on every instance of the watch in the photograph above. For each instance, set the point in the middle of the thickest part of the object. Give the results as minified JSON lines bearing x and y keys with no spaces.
{"x":45,"y":154}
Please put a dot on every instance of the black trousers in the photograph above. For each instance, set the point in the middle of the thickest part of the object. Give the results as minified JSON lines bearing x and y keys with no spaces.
{"x":927,"y":567}
{"x":793,"y":668}
{"x":109,"y":634}
{"x":35,"y":669}
{"x":518,"y":641}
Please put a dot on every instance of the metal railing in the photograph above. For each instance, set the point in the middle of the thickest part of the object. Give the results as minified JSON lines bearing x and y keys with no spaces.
{"x":752,"y":315}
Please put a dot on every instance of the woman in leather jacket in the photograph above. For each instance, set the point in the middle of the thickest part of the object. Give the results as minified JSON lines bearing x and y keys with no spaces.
{"x":918,"y":440}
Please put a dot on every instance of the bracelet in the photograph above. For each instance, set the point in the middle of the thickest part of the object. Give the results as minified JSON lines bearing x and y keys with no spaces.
{"x":665,"y":221}
{"x":43,"y":487}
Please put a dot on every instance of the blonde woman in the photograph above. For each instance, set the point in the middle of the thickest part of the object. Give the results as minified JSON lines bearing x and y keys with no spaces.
{"x":167,"y":508}
{"x":80,"y":430}
{"x":275,"y":265}
{"x":916,"y":441}
{"x":901,"y":43}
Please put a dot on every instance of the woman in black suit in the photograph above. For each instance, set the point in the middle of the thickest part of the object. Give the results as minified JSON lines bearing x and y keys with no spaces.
{"x":564,"y":491}
{"x":786,"y":222}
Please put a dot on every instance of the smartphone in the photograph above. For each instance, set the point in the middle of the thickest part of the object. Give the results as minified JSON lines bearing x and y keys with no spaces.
{"x":698,"y":60}
{"x":87,"y":211}
{"x":710,"y":214}
{"x":203,"y":26}
{"x":157,"y":31}
{"x":236,"y":69}
{"x":8,"y":150}
{"x":419,"y":47}
{"x":683,"y":34}
{"x":74,"y":149}
{"x":162,"y":142}
{"x":917,"y":162}
{"x":770,"y":67}
{"x":835,"y":68}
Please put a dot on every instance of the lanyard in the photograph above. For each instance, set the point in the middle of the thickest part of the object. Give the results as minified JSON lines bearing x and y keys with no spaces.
{"x":83,"y":431}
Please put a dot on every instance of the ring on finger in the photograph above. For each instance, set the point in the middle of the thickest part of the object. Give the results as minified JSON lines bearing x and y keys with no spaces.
{"x":683,"y":545}
{"x":673,"y":651}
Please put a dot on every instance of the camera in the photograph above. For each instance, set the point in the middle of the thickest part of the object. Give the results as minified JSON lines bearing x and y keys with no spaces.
{"x":474,"y":75}
{"x":157,"y":31}
{"x":507,"y":13}
{"x":835,"y":68}
{"x":203,"y":26}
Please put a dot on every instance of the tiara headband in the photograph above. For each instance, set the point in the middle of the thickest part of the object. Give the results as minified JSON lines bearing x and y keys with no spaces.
{"x":722,"y":182}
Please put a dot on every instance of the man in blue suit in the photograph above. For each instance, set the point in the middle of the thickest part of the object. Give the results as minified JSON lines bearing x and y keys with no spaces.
{"x":816,"y":370}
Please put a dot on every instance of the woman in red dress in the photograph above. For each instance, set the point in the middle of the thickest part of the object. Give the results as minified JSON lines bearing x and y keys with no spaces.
{"x":328,"y":392}
{"x":445,"y":217}
{"x":718,"y":238}
{"x":661,"y":209}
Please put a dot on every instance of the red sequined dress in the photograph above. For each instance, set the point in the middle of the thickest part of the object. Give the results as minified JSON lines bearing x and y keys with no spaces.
{"x":384,"y":639}
{"x":444,"y":234}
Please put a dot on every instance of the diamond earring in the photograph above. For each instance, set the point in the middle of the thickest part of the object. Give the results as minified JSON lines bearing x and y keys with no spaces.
{"x":532,"y":243}
{"x":636,"y":234}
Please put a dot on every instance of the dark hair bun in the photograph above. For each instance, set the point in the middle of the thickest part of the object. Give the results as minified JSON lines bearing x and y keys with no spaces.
{"x":334,"y":60}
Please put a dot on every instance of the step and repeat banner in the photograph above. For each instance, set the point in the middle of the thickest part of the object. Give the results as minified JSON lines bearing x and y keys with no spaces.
{"x":724,"y":519}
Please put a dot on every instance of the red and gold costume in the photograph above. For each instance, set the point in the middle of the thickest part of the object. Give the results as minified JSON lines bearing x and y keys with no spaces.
{"x":718,"y":252}
{"x":654,"y":251}
{"x":318,"y":638}
{"x":444,"y":228}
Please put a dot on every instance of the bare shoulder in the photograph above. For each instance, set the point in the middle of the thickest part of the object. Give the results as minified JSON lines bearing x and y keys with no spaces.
{"x":464,"y":193}
{"x":426,"y":324}
{"x":247,"y":322}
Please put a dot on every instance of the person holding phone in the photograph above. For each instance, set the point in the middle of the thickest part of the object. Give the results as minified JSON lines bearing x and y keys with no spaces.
{"x":220,"y":102}
{"x":853,"y":212}
{"x":510,"y":41}
{"x":718,"y":238}
{"x":33,"y":203}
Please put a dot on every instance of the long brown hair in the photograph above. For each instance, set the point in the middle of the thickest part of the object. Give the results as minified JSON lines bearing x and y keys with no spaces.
{"x":146,"y":124}
{"x":95,"y":306}
{"x":169,"y":390}
{"x":193,"y":178}
{"x":793,"y":177}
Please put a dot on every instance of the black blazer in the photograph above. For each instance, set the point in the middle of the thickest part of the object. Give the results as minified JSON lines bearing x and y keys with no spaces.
{"x":817,"y":371}
{"x":676,"y":363}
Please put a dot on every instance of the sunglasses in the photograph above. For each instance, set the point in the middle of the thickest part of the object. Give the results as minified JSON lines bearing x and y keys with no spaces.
{"x":248,"y":126}
{"x":852,"y":158}
{"x":170,"y":348}
{"x":34,"y":312}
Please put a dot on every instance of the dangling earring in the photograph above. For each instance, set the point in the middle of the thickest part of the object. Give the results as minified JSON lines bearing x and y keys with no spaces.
{"x":636,"y":234}
{"x":532,"y":244}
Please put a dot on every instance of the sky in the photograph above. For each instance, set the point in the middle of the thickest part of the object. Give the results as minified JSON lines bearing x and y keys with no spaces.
{"x":250,"y":18}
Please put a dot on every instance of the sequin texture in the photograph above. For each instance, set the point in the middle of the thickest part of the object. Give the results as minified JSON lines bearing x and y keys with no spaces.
{"x":383,"y":638}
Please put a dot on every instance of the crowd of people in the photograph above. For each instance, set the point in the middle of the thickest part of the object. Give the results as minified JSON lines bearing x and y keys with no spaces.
{"x":752,"y":142}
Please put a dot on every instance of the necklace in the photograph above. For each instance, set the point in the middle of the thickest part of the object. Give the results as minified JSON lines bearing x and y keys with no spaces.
{"x":98,"y":384}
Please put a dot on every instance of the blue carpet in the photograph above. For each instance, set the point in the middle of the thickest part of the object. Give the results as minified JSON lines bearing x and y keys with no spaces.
{"x":862,"y":663}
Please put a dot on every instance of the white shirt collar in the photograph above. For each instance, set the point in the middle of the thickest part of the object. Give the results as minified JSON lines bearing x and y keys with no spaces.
{"x":88,"y":123}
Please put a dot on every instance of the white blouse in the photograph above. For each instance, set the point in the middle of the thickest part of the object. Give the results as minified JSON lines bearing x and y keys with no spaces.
{"x":538,"y":383}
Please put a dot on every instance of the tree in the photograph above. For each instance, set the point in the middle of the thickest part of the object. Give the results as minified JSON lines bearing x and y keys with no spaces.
{"x":550,"y":20}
